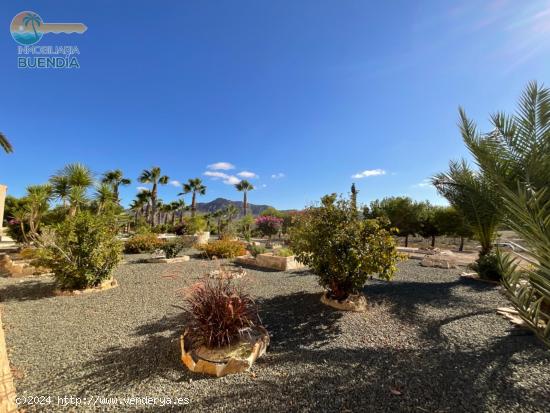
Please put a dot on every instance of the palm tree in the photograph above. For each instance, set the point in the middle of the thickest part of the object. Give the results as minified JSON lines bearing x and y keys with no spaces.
{"x":61,"y":188}
{"x":193,"y":186}
{"x":175,"y":206}
{"x":153,"y":176}
{"x":244,"y":186}
{"x":515,"y":156}
{"x":104,"y":197}
{"x":71,"y":184}
{"x":115,"y":178}
{"x":34,"y":20}
{"x":474,"y":197}
{"x":144,"y":199}
{"x":5,"y":144}
{"x":38,"y":200}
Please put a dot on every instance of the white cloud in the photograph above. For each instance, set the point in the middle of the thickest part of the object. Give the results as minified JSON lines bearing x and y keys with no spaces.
{"x":369,"y":172}
{"x":221,"y":166}
{"x":278,"y":175}
{"x":426,"y":183}
{"x":225,"y":178}
{"x":142,"y":188}
{"x":175,"y":183}
{"x":247,"y":174}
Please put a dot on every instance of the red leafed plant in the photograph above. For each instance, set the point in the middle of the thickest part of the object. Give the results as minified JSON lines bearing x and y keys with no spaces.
{"x":219,"y":313}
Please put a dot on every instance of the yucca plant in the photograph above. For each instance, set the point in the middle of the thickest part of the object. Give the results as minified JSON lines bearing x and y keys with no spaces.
{"x":515,"y":156}
{"x":218,"y":313}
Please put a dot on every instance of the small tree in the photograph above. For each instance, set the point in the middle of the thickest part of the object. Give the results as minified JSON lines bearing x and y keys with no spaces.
{"x":450,"y":222}
{"x":341,"y":248}
{"x":268,"y":225}
{"x":402,"y":212}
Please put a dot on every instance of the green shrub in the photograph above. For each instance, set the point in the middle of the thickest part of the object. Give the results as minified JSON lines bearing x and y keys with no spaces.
{"x":173,"y":247}
{"x":143,"y":243}
{"x":195,"y":224}
{"x":284,"y":252}
{"x":256,"y":249}
{"x":488,"y":267}
{"x":223,"y":249}
{"x":82,"y":251}
{"x":341,"y":248}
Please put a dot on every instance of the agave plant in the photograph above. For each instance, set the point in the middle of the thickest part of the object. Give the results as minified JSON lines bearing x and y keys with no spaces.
{"x":515,"y":156}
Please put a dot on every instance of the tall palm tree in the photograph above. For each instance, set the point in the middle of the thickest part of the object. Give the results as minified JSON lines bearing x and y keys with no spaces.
{"x":5,"y":144}
{"x":71,"y":183}
{"x":515,"y":156}
{"x":144,"y":198}
{"x":153,"y":176}
{"x":193,"y":186}
{"x":244,"y":186}
{"x":475,"y":198}
{"x":34,"y":20}
{"x":176,"y":206}
{"x":115,"y":178}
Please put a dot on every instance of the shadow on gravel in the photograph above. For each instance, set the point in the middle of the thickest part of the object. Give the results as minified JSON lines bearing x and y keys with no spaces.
{"x":156,"y":354}
{"x":27,"y":290}
{"x":297,"y":320}
{"x":389,"y":380}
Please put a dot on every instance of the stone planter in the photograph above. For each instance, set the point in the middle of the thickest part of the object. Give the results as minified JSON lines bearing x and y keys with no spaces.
{"x":355,"y":302}
{"x":164,"y":260}
{"x":199,"y":238}
{"x":233,"y":359}
{"x":271,"y":261}
{"x":202,"y":237}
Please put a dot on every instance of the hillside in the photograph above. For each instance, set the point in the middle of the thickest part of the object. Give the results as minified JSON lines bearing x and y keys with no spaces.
{"x":220,"y":203}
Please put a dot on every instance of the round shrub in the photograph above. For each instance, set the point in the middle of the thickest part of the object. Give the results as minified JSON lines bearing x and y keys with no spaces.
{"x":82,"y":251}
{"x":256,"y":249}
{"x":173,"y":247}
{"x":342,"y":248}
{"x":143,"y":243}
{"x":488,"y":267}
{"x":223,"y":249}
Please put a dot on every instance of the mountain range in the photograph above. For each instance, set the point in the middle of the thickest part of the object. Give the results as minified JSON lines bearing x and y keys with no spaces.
{"x":220,"y":203}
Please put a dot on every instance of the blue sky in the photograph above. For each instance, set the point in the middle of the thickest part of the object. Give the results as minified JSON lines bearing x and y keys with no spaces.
{"x":303,"y":94}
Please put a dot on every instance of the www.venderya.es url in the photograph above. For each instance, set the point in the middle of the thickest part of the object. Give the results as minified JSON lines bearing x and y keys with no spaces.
{"x":101,"y":401}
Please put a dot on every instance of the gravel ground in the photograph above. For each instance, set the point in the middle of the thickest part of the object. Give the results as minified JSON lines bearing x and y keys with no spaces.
{"x":430,"y":342}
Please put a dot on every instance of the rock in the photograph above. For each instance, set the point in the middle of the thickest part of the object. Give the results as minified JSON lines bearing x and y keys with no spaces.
{"x":445,"y":259}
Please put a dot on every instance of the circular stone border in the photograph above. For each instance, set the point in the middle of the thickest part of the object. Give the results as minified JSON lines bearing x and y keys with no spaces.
{"x":105,"y":285}
{"x":231,"y":363}
{"x":354,"y":302}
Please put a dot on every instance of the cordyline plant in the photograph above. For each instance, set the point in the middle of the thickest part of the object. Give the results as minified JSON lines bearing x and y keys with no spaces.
{"x":269,"y":225}
{"x":342,"y":248}
{"x":219,"y":313}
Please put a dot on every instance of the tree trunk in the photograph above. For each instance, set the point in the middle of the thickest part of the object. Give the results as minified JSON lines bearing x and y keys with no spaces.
{"x":244,"y":203}
{"x":461,"y":247}
{"x":193,"y":205}
{"x":433,"y":241}
{"x":407,"y":240}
